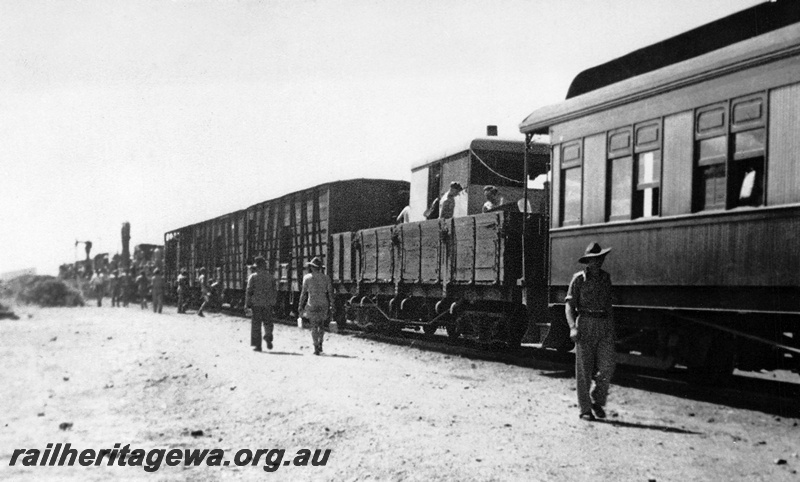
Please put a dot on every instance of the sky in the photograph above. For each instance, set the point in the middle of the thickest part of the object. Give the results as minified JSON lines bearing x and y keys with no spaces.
{"x":165,"y":113}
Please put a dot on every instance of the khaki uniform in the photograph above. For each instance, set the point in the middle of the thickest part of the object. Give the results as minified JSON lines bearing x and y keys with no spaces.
{"x":489,"y":205}
{"x":142,"y":285}
{"x":261,"y":296}
{"x":595,"y":354}
{"x":158,"y":292}
{"x":183,"y":292}
{"x":99,"y":284}
{"x":204,"y":293}
{"x":447,"y":206}
{"x":316,"y":304}
{"x":114,"y":285}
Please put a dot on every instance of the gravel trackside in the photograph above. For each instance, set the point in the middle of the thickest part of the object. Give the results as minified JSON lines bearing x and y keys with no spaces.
{"x":128,"y":376}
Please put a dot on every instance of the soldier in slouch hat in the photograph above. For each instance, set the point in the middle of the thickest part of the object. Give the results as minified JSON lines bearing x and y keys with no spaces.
{"x":316,"y":301}
{"x":261,"y":296}
{"x":590,"y":317}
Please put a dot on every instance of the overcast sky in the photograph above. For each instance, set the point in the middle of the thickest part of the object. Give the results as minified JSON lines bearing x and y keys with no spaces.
{"x":165,"y":113}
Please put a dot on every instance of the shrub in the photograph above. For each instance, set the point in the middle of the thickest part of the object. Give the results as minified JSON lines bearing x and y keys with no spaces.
{"x":44,"y":291}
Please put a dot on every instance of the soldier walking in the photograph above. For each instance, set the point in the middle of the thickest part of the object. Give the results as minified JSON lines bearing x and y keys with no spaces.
{"x":261,"y":296}
{"x":590,"y":317}
{"x":217,"y":290}
{"x":157,"y":285}
{"x":183,"y":290}
{"x":125,"y":287}
{"x":205,"y":291}
{"x":99,"y":286}
{"x":114,"y":285}
{"x":142,"y":285}
{"x":316,"y":301}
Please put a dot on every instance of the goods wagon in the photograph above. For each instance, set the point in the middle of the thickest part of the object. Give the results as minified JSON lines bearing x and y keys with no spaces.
{"x":287,"y":231}
{"x":464,"y":274}
{"x":217,"y":244}
{"x":291,"y":230}
{"x":689,"y":171}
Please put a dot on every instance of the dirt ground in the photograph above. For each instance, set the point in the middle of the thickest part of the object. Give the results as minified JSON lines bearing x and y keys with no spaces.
{"x":127,"y":376}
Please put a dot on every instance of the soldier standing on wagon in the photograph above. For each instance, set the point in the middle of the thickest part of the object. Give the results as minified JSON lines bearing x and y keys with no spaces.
{"x":590,"y":317}
{"x":316,"y":301}
{"x":261,"y":296}
{"x":447,"y":204}
{"x":493,"y":199}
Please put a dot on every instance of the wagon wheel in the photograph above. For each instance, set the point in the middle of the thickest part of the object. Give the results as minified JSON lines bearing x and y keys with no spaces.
{"x":426,"y":312}
{"x":720,"y":361}
{"x":393,"y":328}
{"x":430,"y":329}
{"x":453,"y":330}
{"x":363,"y":318}
{"x":483,"y":326}
{"x":566,"y":347}
{"x":340,"y":313}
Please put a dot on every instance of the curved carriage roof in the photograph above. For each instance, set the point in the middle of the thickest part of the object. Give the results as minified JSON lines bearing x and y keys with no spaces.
{"x":718,"y":34}
{"x":774,"y":45}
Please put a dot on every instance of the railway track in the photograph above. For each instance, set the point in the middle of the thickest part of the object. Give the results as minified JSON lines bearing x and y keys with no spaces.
{"x":775,"y":397}
{"x":779,"y":397}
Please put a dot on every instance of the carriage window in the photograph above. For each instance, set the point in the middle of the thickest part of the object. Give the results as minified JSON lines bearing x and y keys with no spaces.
{"x":572,"y":183}
{"x":572,"y":196}
{"x":747,"y":168}
{"x":713,"y":153}
{"x":647,"y":195}
{"x":730,"y":161}
{"x":621,"y":187}
{"x":648,"y":184}
{"x":620,"y":174}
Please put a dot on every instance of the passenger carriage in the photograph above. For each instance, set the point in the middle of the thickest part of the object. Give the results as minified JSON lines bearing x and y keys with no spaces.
{"x":691,"y":173}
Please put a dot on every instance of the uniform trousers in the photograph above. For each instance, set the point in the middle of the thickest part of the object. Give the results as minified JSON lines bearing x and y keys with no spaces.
{"x":317,"y":318}
{"x":595,"y":359}
{"x":181,"y":302}
{"x":158,"y":302}
{"x":262,"y":315}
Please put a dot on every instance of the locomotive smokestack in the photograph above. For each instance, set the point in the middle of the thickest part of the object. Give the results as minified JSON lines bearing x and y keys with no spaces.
{"x":126,"y":242}
{"x":491,"y":131}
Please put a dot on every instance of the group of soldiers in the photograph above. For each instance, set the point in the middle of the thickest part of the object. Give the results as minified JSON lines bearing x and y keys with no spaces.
{"x":444,"y":207}
{"x":588,"y":309}
{"x":210,"y":291}
{"x":261,"y":299}
{"x":316,"y":304}
{"x":124,"y":287}
{"x":149,"y":283}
